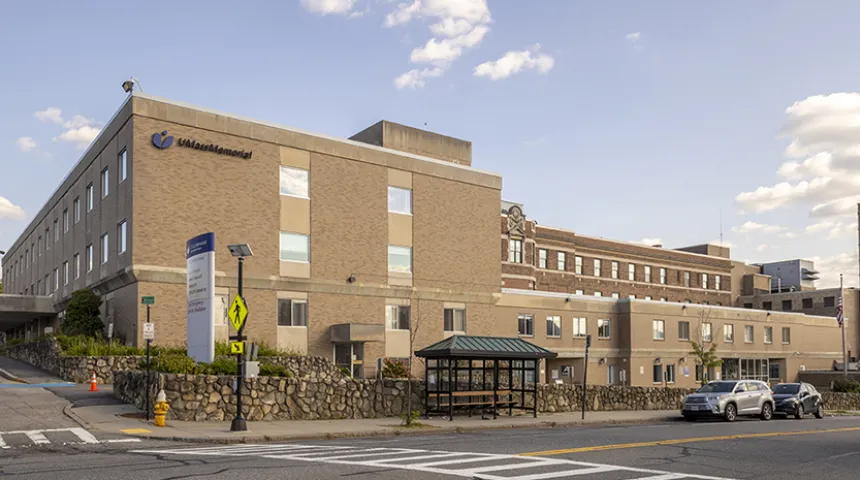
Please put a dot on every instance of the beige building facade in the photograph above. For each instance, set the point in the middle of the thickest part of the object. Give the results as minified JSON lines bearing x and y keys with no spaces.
{"x":372,"y":247}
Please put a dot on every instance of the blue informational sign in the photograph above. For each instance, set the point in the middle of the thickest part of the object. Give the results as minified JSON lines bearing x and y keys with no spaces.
{"x":200,"y":267}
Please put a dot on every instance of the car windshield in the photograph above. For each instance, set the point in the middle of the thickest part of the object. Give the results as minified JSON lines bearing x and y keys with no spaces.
{"x":717,"y":387}
{"x":786,"y":388}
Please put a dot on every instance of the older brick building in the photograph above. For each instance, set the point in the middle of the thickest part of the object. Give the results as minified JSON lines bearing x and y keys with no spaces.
{"x":364,"y":244}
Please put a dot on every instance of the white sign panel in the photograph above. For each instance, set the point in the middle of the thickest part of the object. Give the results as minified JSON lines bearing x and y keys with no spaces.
{"x":200,"y":266}
{"x":148,"y":331}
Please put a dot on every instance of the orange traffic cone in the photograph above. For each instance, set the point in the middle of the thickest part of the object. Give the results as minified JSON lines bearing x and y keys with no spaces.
{"x":93,"y":383}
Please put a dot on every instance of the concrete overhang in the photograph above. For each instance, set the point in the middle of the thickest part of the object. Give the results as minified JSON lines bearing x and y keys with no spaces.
{"x":357,"y":332}
{"x":16,"y":310}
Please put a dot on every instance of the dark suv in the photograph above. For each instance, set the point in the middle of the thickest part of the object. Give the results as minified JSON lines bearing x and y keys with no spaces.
{"x":797,"y":399}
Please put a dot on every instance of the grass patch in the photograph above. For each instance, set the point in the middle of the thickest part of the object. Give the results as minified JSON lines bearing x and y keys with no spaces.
{"x":416,"y":425}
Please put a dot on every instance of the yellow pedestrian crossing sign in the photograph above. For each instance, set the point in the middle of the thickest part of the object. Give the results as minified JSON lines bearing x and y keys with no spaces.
{"x":238,"y":312}
{"x":237,"y":348}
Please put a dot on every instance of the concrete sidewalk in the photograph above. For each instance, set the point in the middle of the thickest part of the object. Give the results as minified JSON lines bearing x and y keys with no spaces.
{"x":18,"y":371}
{"x":111,"y":419}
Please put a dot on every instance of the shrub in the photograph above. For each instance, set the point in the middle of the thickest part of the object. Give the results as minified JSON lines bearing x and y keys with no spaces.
{"x":173,"y":364}
{"x":82,"y":314}
{"x":846,"y":385}
{"x":83,"y":346}
{"x":219,"y":366}
{"x":393,"y":369}
{"x":265,"y":350}
{"x":270,"y":370}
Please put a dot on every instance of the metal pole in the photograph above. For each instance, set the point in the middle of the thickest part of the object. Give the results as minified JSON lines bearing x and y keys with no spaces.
{"x":585,"y":374}
{"x":148,"y":342}
{"x":239,"y":424}
{"x":844,"y":351}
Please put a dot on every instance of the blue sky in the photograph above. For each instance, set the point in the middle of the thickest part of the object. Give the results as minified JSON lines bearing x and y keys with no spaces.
{"x":627,"y":120}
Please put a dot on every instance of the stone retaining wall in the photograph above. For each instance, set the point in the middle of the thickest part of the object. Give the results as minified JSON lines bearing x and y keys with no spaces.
{"x":841,"y":401}
{"x":568,"y":398}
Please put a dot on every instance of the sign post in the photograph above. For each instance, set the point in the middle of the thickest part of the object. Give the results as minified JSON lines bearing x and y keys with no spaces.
{"x":238,"y":313}
{"x":149,"y":336}
{"x":585,"y":373}
{"x":200,"y":284}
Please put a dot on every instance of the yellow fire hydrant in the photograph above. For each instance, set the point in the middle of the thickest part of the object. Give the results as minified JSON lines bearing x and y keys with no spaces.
{"x":160,"y":409}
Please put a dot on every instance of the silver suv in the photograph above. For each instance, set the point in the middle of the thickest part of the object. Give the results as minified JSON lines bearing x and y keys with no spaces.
{"x":729,"y":399}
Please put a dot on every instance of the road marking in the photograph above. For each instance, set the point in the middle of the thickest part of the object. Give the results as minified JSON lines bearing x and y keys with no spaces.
{"x":84,"y":435}
{"x":432,"y":461}
{"x":37,"y":437}
{"x":676,"y":441}
{"x":41,"y":437}
{"x":135,"y":430}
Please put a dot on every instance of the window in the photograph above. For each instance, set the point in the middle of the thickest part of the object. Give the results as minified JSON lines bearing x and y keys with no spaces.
{"x":717,"y":282}
{"x":631,"y":272}
{"x":616,"y":295}
{"x":663,"y":276}
{"x":294,"y":247}
{"x":598,"y":294}
{"x":749,"y":334}
{"x":400,"y":200}
{"x":399,"y":259}
{"x":57,"y":230}
{"x":76,"y":264}
{"x":397,"y":317}
{"x":631,"y":297}
{"x":748,"y":305}
{"x":123,"y":165}
{"x":807,"y":303}
{"x":47,"y":240}
{"x":768,"y":335}
{"x":292,"y":313}
{"x":659,"y":329}
{"x":579,"y":292}
{"x":596,"y":267}
{"x":670,"y":373}
{"x":705,"y":281}
{"x":526,"y":325}
{"x":455,"y":320}
{"x":614,"y":267}
{"x":65,"y":273}
{"x":105,"y":247}
{"x":294,"y":182}
{"x":56,"y":279}
{"x":658,"y":373}
{"x":767,"y":305}
{"x":77,"y":207}
{"x":562,"y":261}
{"x":121,"y":236}
{"x":515,"y":251}
{"x":729,"y":333}
{"x":786,"y":335}
{"x":647,"y":297}
{"x":66,"y":221}
{"x":684,"y":331}
{"x":707,"y":334}
{"x":647,"y":273}
{"x":90,"y":197}
{"x":89,"y":257}
{"x":542,"y":258}
{"x":603,"y":330}
{"x":829,"y":301}
{"x":786,"y":305}
{"x":686,"y":279}
{"x":553,"y":326}
{"x":577,"y":265}
{"x":105,"y":182}
{"x":579,"y":327}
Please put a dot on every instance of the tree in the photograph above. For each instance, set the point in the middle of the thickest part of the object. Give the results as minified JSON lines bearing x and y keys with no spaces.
{"x":704,"y":347}
{"x":82,"y":314}
{"x":1,"y":287}
{"x":413,"y":332}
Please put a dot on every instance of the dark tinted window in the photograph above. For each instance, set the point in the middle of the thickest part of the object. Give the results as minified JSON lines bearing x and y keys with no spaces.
{"x":786,"y":304}
{"x":784,"y":388}
{"x":717,"y":387}
{"x":767,"y":305}
{"x":807,"y":303}
{"x":829,"y":301}
{"x":748,"y":305}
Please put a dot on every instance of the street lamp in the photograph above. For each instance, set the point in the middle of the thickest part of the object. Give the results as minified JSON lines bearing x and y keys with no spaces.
{"x":240,"y":251}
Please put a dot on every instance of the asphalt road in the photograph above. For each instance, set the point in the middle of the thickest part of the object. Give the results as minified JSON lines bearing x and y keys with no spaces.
{"x":750,"y":449}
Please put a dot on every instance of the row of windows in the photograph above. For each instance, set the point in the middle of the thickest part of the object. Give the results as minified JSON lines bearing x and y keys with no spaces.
{"x":526,"y":326}
{"x":294,"y":313}
{"x":515,"y":255}
{"x":295,"y":247}
{"x":52,"y":283}
{"x":43,"y":243}
{"x":295,"y":182}
{"x":788,"y":304}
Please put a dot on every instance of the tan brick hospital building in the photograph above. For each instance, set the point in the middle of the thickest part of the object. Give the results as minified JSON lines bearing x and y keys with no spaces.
{"x":356,"y":241}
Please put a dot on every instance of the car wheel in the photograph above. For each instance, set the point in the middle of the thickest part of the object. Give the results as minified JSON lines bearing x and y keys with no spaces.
{"x":819,"y":412}
{"x":766,"y":412}
{"x":731,"y":412}
{"x":689,"y":418}
{"x":798,"y":413}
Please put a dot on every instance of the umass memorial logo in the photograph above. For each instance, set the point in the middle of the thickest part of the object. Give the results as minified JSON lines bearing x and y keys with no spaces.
{"x":163,"y":140}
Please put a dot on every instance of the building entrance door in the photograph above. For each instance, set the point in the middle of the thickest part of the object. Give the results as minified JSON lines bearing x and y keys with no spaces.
{"x":350,"y":356}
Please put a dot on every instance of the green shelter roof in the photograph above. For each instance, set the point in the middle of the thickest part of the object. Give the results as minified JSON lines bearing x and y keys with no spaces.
{"x":464,"y":346}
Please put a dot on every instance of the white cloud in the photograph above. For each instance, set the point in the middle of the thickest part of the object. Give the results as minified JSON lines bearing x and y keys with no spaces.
{"x":514,"y":62}
{"x":26,"y":144}
{"x":836,"y":208}
{"x":761,"y":248}
{"x":50,"y":114}
{"x":417,"y":78}
{"x":10,"y":210}
{"x":82,"y":136}
{"x":450,"y":27}
{"x":832,"y":229}
{"x":472,"y":11}
{"x":327,"y":7}
{"x":831,"y":267}
{"x":788,"y":235}
{"x":633,"y":37}
{"x":750,"y":227}
{"x":442,"y":52}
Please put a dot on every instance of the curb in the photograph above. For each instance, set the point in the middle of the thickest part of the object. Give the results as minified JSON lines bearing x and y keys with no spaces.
{"x":398,"y":432}
{"x":9,"y":376}
{"x":67,"y":411}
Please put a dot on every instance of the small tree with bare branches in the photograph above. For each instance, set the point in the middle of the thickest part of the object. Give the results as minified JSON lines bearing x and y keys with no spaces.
{"x":704,"y":349}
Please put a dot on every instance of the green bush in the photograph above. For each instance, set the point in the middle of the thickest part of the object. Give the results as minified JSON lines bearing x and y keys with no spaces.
{"x":393,"y":369}
{"x":265,"y":350}
{"x":83,"y":346}
{"x":846,"y":385}
{"x":82,"y":314}
{"x":219,"y":366}
{"x":270,"y":370}
{"x":173,"y":364}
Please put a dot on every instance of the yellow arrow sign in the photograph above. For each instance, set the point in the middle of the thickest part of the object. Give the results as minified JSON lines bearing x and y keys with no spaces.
{"x":237,"y":348}
{"x":238,"y":312}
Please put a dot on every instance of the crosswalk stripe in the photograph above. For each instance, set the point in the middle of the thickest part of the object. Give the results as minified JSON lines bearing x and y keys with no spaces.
{"x":543,"y":476}
{"x":385,"y":462}
{"x":668,"y":476}
{"x":372,"y":452}
{"x":84,"y":435}
{"x":483,"y":458}
{"x":3,"y":443}
{"x":37,"y":437}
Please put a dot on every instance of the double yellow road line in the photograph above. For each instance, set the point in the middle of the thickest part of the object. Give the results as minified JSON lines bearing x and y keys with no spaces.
{"x":677,"y":441}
